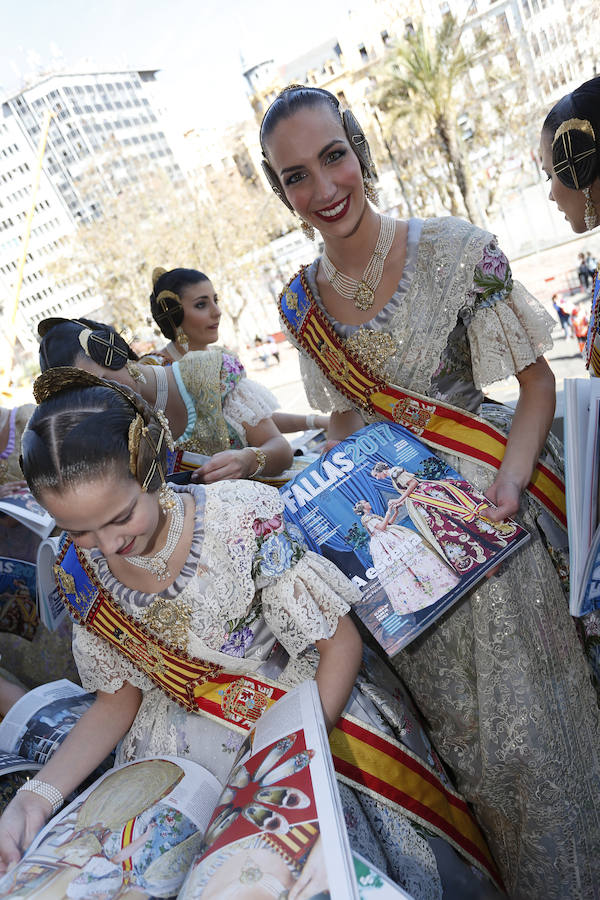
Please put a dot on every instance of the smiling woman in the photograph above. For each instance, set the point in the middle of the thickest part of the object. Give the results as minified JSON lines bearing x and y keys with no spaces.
{"x":407,"y":320}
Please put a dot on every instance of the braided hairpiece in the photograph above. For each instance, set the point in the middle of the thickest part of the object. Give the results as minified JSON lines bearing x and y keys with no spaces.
{"x":355,"y":134}
{"x":574,"y":154}
{"x":166,"y":305}
{"x":149,"y":433}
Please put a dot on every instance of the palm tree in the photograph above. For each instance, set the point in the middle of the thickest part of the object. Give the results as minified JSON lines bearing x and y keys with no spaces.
{"x":422,"y":80}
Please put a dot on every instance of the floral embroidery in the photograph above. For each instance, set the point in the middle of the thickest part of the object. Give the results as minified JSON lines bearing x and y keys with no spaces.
{"x":492,"y":275}
{"x":277,"y":548}
{"x":238,"y":642}
{"x":232,"y":372}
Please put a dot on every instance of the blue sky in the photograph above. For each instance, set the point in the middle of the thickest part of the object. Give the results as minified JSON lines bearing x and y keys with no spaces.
{"x":196,"y":43}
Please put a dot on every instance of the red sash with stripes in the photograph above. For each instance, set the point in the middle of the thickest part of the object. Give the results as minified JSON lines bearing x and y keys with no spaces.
{"x":363,"y":756}
{"x":440,"y":425}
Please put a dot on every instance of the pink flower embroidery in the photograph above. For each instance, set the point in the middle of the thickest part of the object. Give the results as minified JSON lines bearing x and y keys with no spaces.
{"x":266,"y":526}
{"x":494,"y":262}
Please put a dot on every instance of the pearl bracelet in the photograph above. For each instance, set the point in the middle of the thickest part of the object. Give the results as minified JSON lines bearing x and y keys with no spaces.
{"x":45,"y":790}
{"x":261,"y":460}
{"x":310,"y":421}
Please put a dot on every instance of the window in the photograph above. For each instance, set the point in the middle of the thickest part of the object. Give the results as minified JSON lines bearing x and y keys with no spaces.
{"x":385,"y":37}
{"x":363,"y":53}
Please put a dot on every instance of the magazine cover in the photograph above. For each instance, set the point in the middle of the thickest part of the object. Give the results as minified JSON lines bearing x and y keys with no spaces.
{"x":18,"y":614}
{"x":408,"y":530}
{"x":23,"y":507}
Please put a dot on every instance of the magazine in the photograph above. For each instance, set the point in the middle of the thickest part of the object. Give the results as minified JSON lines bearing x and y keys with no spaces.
{"x":408,"y":530}
{"x":51,"y":610}
{"x":165,"y":827}
{"x":23,"y":507}
{"x":18,"y":613}
{"x":582,"y":458}
{"x":38,"y":723}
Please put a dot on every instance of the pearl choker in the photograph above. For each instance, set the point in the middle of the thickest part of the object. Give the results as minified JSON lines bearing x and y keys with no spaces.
{"x":363,"y":291}
{"x":159,"y":563}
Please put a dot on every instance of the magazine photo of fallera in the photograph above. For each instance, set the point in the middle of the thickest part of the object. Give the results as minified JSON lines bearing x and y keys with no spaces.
{"x":408,"y":530}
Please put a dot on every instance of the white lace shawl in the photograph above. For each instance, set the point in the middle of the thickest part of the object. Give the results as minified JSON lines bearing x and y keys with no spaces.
{"x":504,"y":337}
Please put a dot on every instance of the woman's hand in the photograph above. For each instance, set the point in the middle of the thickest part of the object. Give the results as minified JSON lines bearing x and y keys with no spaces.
{"x":312,"y":880}
{"x":12,"y":487}
{"x":339,"y":661}
{"x":228,"y":464}
{"x":22,"y":819}
{"x":505,"y":493}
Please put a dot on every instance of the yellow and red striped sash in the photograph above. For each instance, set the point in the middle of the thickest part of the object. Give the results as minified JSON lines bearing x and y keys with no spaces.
{"x":364,"y":757}
{"x":464,"y":506}
{"x":438,"y":424}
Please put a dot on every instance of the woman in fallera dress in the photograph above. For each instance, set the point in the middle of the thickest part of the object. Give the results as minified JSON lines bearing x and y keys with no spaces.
{"x":208,"y":574}
{"x":430,"y":307}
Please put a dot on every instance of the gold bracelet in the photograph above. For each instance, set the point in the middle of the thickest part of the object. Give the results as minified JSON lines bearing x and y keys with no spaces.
{"x":261,"y":460}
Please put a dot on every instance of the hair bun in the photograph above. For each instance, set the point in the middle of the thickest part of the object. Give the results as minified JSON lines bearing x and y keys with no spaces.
{"x":105,"y":347}
{"x":156,"y":273}
{"x":574,"y":153}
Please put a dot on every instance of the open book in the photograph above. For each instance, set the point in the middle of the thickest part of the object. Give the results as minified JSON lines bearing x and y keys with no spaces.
{"x":582,"y":457}
{"x":408,"y":530}
{"x":165,"y":827}
{"x":37,"y":723}
{"x":23,"y":507}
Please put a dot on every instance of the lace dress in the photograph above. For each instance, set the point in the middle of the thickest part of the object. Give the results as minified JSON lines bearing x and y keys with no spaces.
{"x":220,"y":400}
{"x":501,"y":679}
{"x":239,"y":546}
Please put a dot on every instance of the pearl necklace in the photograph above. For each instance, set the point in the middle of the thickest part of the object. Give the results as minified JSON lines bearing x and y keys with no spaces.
{"x":159,"y":564}
{"x":363,"y":291}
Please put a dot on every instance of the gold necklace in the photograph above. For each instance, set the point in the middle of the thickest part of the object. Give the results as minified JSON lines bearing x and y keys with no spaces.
{"x":363,"y":292}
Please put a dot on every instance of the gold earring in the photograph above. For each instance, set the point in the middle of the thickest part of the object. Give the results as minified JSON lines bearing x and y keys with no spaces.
{"x":166,"y":498}
{"x":307,"y":230}
{"x":135,"y":372}
{"x":590,"y":216}
{"x":371,"y":192}
{"x":182,"y":339}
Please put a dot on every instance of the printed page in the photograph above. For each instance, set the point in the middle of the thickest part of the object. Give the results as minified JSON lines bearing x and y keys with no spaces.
{"x":51,"y":609}
{"x":11,"y":762}
{"x":137,"y":829}
{"x":279,"y":821}
{"x":23,"y":507}
{"x":408,"y":530}
{"x":42,"y":718}
{"x":374,"y":884}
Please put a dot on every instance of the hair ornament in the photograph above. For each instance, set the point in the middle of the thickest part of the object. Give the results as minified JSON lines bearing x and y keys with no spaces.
{"x":167,"y":295}
{"x":134,"y":436}
{"x":574,"y":153}
{"x":159,"y":414}
{"x":84,"y":339}
{"x":156,"y":273}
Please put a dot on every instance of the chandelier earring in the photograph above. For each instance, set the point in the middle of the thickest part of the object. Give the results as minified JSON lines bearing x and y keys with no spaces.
{"x":307,"y":229}
{"x":136,"y":372}
{"x":371,"y":192}
{"x":167,"y":499}
{"x":182,"y":339}
{"x":591,"y":215}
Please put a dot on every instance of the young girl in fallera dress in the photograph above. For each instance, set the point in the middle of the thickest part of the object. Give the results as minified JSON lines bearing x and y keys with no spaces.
{"x":235,"y":581}
{"x":430,"y":307}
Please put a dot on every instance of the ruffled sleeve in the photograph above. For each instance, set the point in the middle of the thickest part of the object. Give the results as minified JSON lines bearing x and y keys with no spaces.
{"x":306,"y":602}
{"x":507,"y":327}
{"x":101,"y":667}
{"x":248,"y":404}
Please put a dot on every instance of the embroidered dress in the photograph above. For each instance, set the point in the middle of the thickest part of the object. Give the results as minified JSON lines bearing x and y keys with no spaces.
{"x":411,"y":573}
{"x":246,"y":584}
{"x":501,"y":679}
{"x":447,"y":513}
{"x":221,"y":401}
